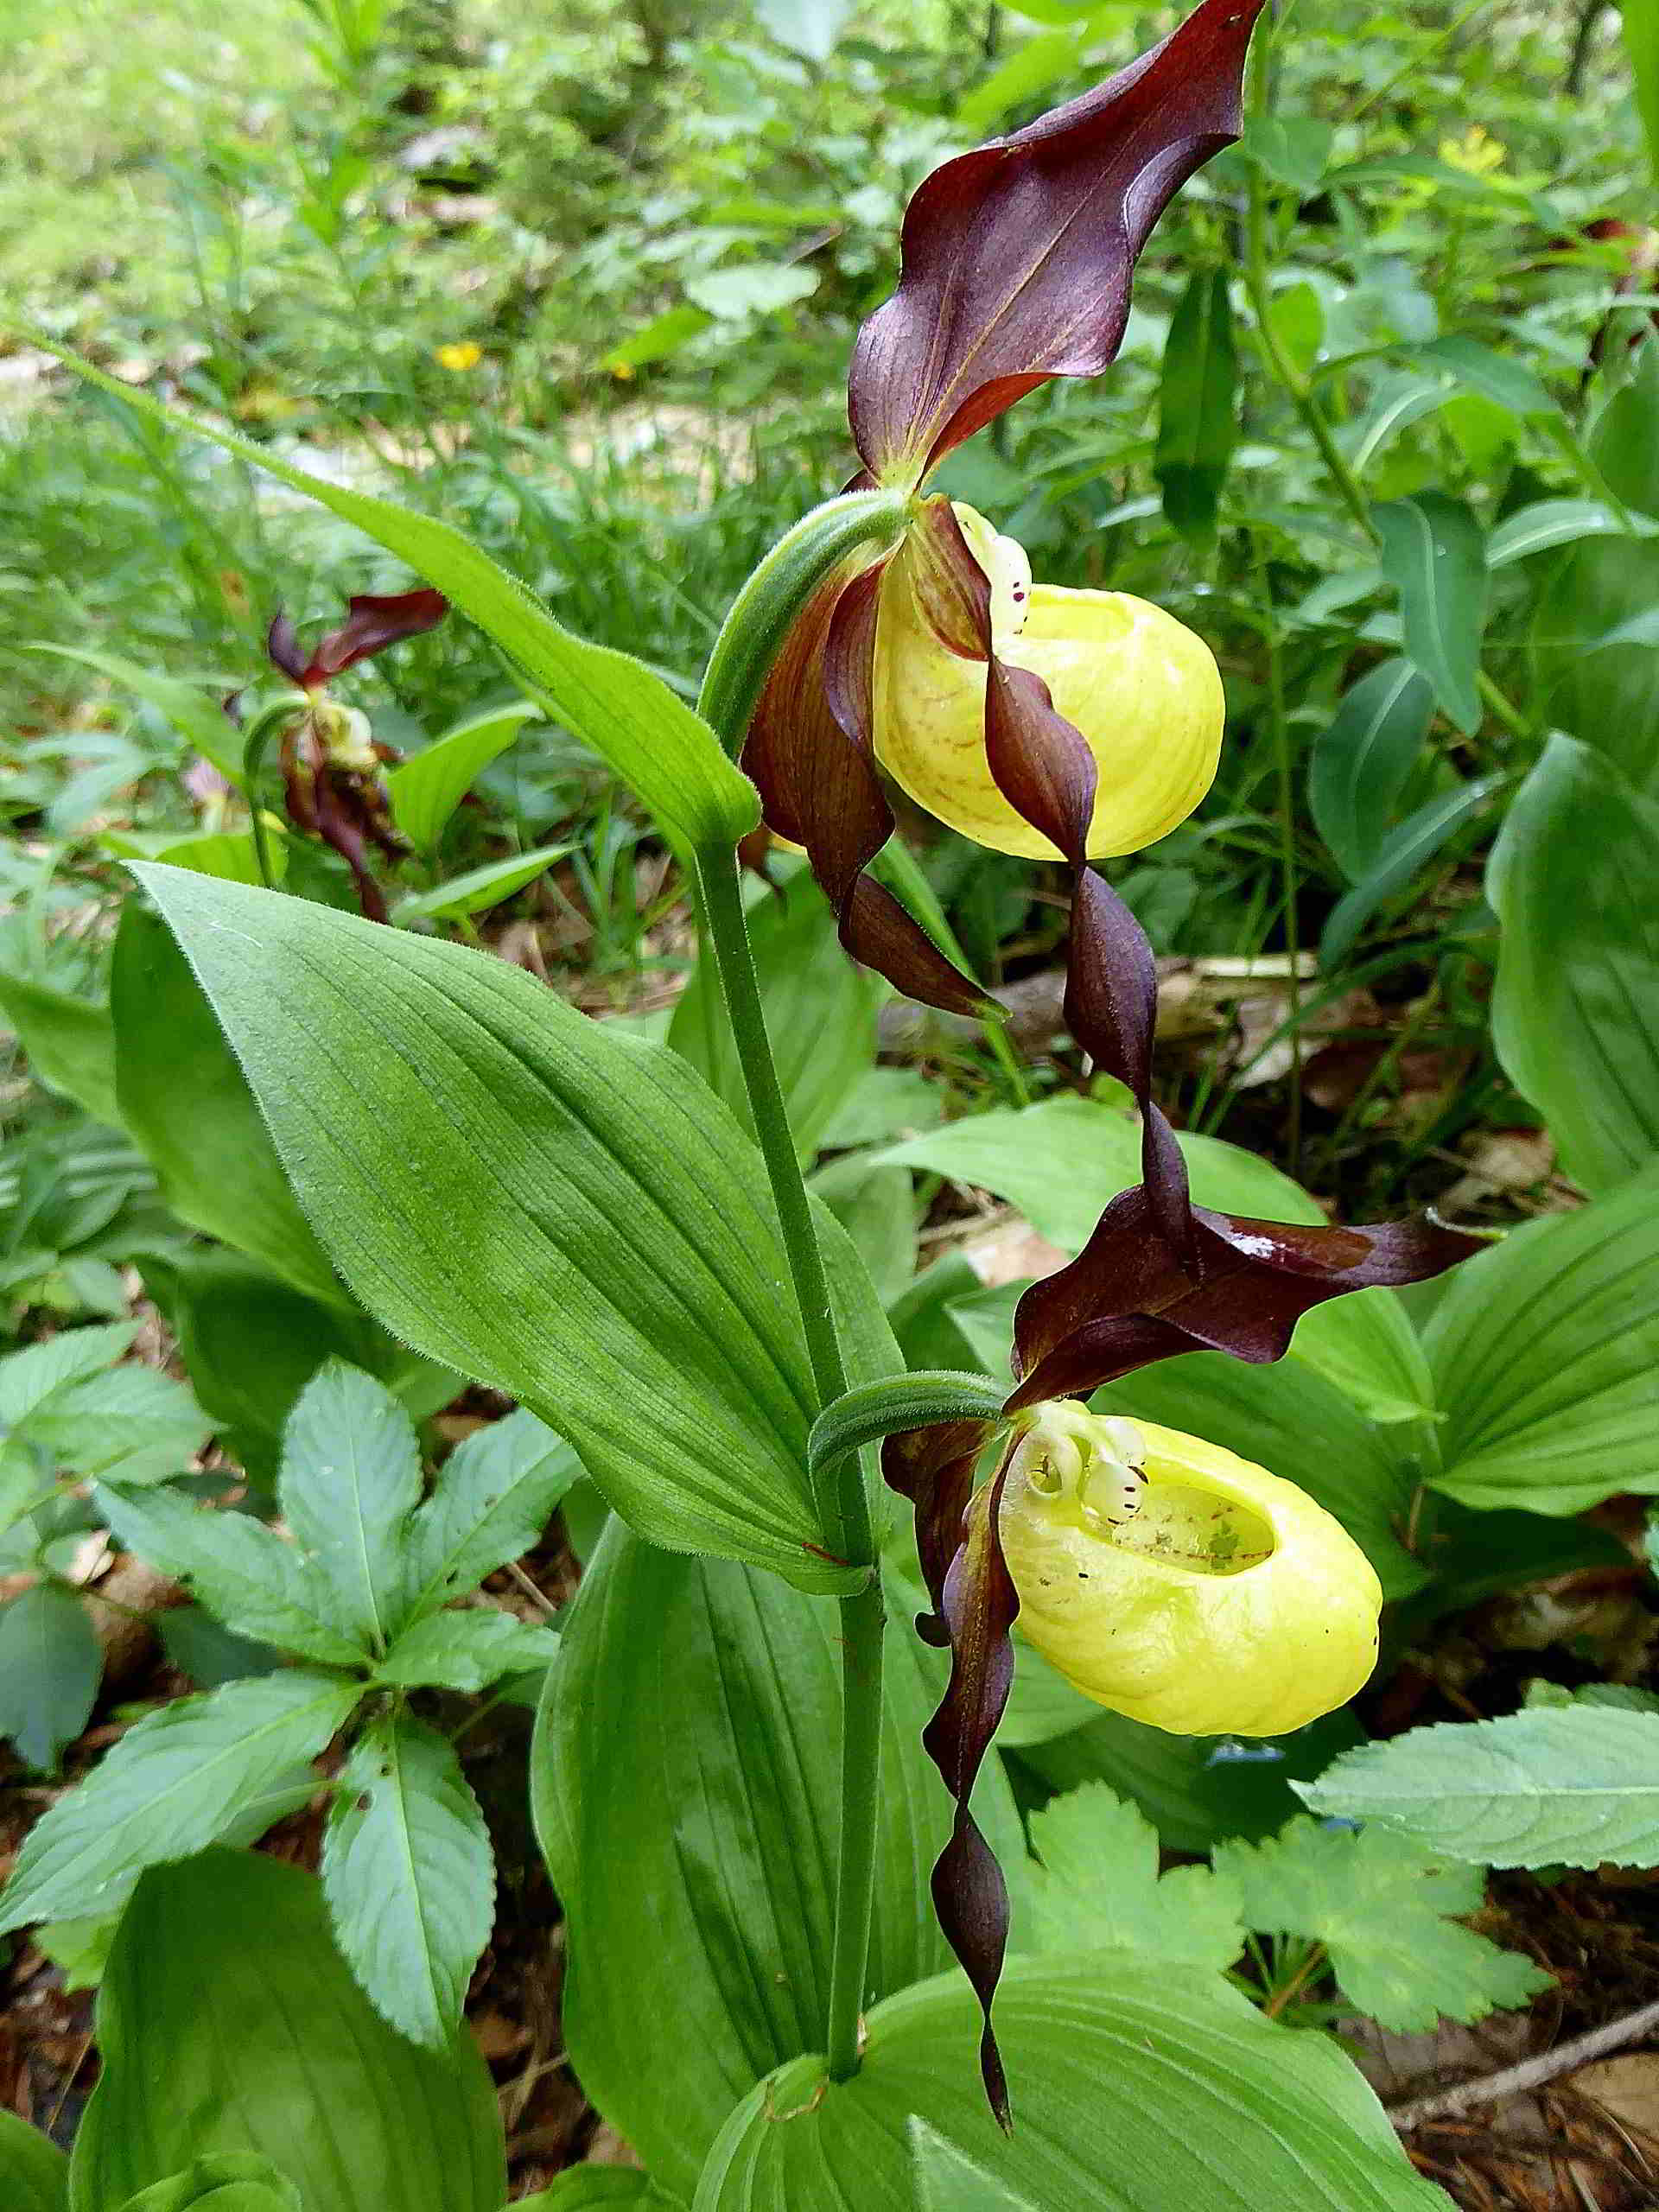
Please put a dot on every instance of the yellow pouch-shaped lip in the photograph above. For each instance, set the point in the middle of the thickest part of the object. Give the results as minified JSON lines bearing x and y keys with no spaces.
{"x":1143,"y":690}
{"x":1229,"y":1603}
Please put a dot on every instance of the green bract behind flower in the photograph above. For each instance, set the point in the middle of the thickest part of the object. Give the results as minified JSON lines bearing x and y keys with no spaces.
{"x":1226,"y":1603}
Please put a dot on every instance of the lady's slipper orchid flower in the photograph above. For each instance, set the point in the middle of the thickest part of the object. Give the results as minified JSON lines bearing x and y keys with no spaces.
{"x":331,"y":761}
{"x":1203,"y":1595}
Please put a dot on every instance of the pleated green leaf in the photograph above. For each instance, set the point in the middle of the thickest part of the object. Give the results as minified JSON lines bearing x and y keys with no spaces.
{"x":225,"y":1987}
{"x":1135,"y":2088}
{"x":1571,"y":877}
{"x":684,"y":1783}
{"x":1546,"y":1350}
{"x":1361,"y":760}
{"x":426,"y":791}
{"x":1434,"y":555}
{"x":563,"y":1213}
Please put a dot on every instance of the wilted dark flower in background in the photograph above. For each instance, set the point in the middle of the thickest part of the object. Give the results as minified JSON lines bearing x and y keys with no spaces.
{"x":331,"y":760}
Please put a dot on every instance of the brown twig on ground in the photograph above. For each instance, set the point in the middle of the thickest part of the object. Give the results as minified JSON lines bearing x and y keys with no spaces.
{"x":1490,"y":2088}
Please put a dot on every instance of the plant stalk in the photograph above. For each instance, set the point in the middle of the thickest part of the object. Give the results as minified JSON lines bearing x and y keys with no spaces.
{"x":843,"y":1502}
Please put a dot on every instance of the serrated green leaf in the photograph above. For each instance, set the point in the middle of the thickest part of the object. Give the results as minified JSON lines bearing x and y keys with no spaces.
{"x":246,"y":1576}
{"x":1388,"y":1914}
{"x":188,"y":1106}
{"x":130,"y":1424}
{"x":1546,"y":1351}
{"x":1536,"y":1788}
{"x":171,"y":1786}
{"x":650,"y":738}
{"x":465,"y":1650}
{"x":479,"y":889}
{"x":350,"y":1479}
{"x":31,"y":1378}
{"x":409,"y":1877}
{"x":225,"y":1985}
{"x":492,"y":1500}
{"x":50,"y":1667}
{"x":232,"y":2181}
{"x":1134,"y":2086}
{"x":1434,"y":555}
{"x":1097,"y":1887}
{"x":1361,"y":760}
{"x":426,"y":791}
{"x":34,"y":2172}
{"x":620,"y":1266}
{"x":1572,"y":1009}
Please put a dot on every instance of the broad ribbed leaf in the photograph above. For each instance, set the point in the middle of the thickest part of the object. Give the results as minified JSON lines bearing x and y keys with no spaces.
{"x":173,"y":1783}
{"x":50,"y":1664}
{"x":492,"y":1500}
{"x":409,"y":1877}
{"x":1197,"y":420}
{"x":1577,"y":1786}
{"x":947,"y":2180}
{"x":188,"y":1106}
{"x":426,"y":791}
{"x":34,"y":2172}
{"x":225,"y":1986}
{"x":1435,"y":555}
{"x":232,"y":2181}
{"x":351,"y":1478}
{"x":1595,"y":654}
{"x":593,"y":2189}
{"x":558,"y":1211}
{"x":685,"y":1786}
{"x":479,"y":889}
{"x":1641,"y":43}
{"x":1135,"y":2087}
{"x":1402,"y":854}
{"x":244,"y":1573}
{"x":1361,"y":761}
{"x":69,"y":1041}
{"x":1571,"y":877}
{"x":1546,"y":1350}
{"x":1548,"y":523}
{"x":651,"y":738}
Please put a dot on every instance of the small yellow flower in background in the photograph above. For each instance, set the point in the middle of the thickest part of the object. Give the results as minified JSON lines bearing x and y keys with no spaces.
{"x":623,"y":372}
{"x":460,"y":355}
{"x":1477,"y":153}
{"x":1173,"y":1581}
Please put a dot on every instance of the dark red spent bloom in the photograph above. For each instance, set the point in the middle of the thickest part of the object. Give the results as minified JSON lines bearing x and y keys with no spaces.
{"x":372,"y":622}
{"x":1017,"y":256}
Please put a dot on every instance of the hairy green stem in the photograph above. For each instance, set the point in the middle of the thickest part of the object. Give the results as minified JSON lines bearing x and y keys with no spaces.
{"x":843,"y":1503}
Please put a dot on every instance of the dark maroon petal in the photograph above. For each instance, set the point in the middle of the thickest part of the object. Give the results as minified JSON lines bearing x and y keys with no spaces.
{"x":1128,"y":1299}
{"x":934,"y":1468}
{"x":283,"y":648}
{"x":808,"y":752}
{"x":371,"y":624}
{"x":970,"y":1894}
{"x":1017,"y":257}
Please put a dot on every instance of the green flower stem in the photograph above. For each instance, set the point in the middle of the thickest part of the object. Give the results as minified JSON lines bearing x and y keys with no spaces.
{"x":843,"y":1503}
{"x":764,"y":611}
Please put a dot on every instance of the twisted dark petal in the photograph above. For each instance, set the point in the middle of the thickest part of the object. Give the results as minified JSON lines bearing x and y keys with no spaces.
{"x":934,"y":1469}
{"x":970,"y":1894}
{"x":371,"y":624}
{"x":283,"y":649}
{"x":1128,"y":1299}
{"x":808,"y":752}
{"x":1017,"y":257}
